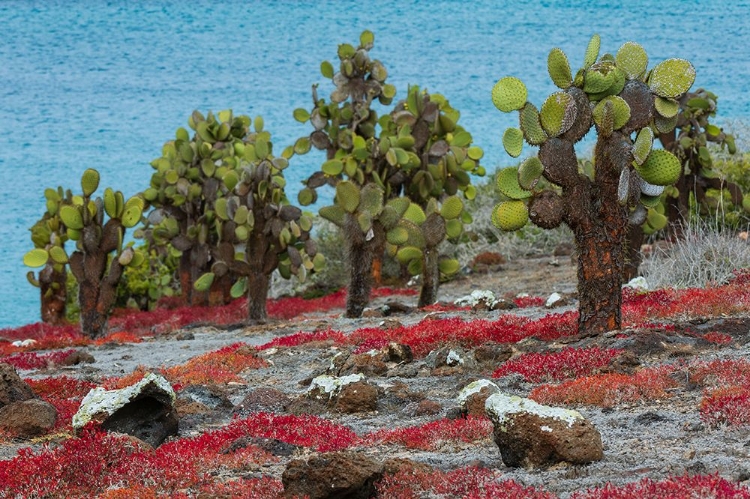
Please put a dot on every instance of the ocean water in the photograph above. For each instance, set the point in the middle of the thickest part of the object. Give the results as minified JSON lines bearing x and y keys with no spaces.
{"x":105,"y":84}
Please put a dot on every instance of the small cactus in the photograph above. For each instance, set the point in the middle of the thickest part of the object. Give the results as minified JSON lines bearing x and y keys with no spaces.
{"x":627,"y":105}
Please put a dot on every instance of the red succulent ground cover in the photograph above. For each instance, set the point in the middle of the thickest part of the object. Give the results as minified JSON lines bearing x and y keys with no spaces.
{"x":726,"y":396}
{"x":558,"y":366}
{"x":33,"y":360}
{"x":433,"y":435}
{"x":670,"y":488}
{"x":65,"y":393}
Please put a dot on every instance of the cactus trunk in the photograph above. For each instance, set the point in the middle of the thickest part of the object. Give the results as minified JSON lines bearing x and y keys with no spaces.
{"x":430,"y":278}
{"x":634,"y":256}
{"x":360,"y":279}
{"x":96,"y":290}
{"x":257,"y":292}
{"x":53,"y":294}
{"x":189,"y":273}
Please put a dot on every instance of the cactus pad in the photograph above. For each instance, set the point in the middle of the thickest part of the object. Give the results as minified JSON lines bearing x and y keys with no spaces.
{"x":632,"y":60}
{"x":656,"y":220}
{"x":371,"y":200}
{"x":592,"y":51}
{"x":671,"y":78}
{"x":334,"y":214}
{"x":347,"y":196}
{"x":620,"y":112}
{"x":623,"y":187}
{"x":509,"y":94}
{"x":531,"y":126}
{"x":510,"y":215}
{"x":71,"y":217}
{"x":455,"y":227}
{"x":660,"y":168}
{"x":448,"y":266}
{"x":559,"y":68}
{"x":451,"y":208}
{"x":668,"y":108}
{"x":529,"y":172}
{"x":650,"y":189}
{"x":36,"y":258}
{"x":397,"y":236}
{"x":513,"y":142}
{"x":546,"y":210}
{"x":415,"y":214}
{"x":203,"y":283}
{"x":665,"y":125}
{"x":89,"y":181}
{"x":642,"y":145}
{"x":507,"y":183}
{"x":558,"y":113}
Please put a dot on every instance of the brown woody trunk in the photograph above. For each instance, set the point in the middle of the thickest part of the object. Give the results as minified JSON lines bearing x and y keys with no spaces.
{"x":634,"y":257}
{"x":97,"y":293}
{"x":430,"y":278}
{"x":257,"y":293}
{"x":189,"y":273}
{"x":361,"y":252}
{"x":53,"y":295}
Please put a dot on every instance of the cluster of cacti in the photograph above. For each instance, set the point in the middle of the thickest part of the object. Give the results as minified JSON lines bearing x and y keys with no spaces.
{"x":220,"y":190}
{"x":628,"y":105}
{"x":144,"y":285}
{"x":49,"y":236}
{"x":417,"y":151}
{"x":99,"y":258}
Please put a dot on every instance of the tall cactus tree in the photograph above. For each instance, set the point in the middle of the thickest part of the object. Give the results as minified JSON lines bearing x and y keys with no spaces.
{"x":49,"y":236}
{"x":689,"y":142}
{"x":99,"y":258}
{"x":627,"y":105}
{"x":253,"y":211}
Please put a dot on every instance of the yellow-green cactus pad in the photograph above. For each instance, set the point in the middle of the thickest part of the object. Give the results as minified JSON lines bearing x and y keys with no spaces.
{"x":592,"y":51}
{"x":203,"y":283}
{"x":599,"y":78}
{"x":397,"y":236}
{"x":306,"y":196}
{"x":513,"y":141}
{"x":451,"y":208}
{"x":665,"y":125}
{"x":650,"y":201}
{"x":408,"y":253}
{"x":510,"y":215}
{"x":347,"y":196}
{"x":334,"y":214}
{"x":110,"y":202}
{"x":131,"y":215}
{"x":620,"y":111}
{"x":509,"y":94}
{"x":415,"y":214}
{"x":667,"y":108}
{"x":632,"y":60}
{"x":455,"y":227}
{"x":559,"y":68}
{"x":71,"y":217}
{"x":642,"y":145}
{"x":656,"y":220}
{"x":531,"y":126}
{"x":89,"y":181}
{"x":558,"y":113}
{"x":671,"y":78}
{"x":529,"y":172}
{"x":507,"y":184}
{"x":36,"y":258}
{"x":448,"y":266}
{"x":660,"y":168}
{"x":371,"y":200}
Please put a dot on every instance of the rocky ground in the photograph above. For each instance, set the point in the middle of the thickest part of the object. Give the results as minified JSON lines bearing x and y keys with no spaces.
{"x":654,"y":439}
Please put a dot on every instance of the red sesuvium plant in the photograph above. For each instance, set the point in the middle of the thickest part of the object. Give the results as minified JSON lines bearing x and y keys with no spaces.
{"x":469,"y":482}
{"x":33,"y":360}
{"x":728,"y":405}
{"x":434,"y":435}
{"x":624,"y":103}
{"x":608,"y":390}
{"x":64,"y":393}
{"x":557,"y":366}
{"x":303,"y":338}
{"x":220,"y":366}
{"x":669,"y":488}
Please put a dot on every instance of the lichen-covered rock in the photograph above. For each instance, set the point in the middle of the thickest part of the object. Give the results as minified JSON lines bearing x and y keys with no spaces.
{"x":28,"y":418}
{"x":144,"y":410}
{"x":348,"y":394}
{"x":12,"y":387}
{"x":473,"y":396}
{"x":532,"y":435}
{"x":350,"y":475}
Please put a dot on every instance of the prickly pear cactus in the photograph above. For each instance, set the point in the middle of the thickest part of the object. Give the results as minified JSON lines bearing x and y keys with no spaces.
{"x":97,"y":225}
{"x":627,"y":105}
{"x":253,"y":211}
{"x":49,"y":236}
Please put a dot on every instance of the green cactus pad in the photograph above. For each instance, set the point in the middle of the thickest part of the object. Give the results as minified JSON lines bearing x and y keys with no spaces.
{"x":371,"y":200}
{"x":531,"y":126}
{"x":408,"y":253}
{"x":415,"y":214}
{"x":632,"y":60}
{"x":110,"y":202}
{"x":451,"y":208}
{"x":507,"y":183}
{"x":620,"y":110}
{"x":203,"y":283}
{"x":558,"y":113}
{"x":89,"y":181}
{"x":592,"y":51}
{"x":599,"y":78}
{"x":671,"y":78}
{"x":667,"y":108}
{"x":131,"y":216}
{"x":642,"y":145}
{"x":510,"y":215}
{"x":453,"y":228}
{"x":656,"y":220}
{"x":306,"y":196}
{"x":332,"y":167}
{"x":559,"y":68}
{"x":36,"y":258}
{"x":660,"y":168}
{"x":513,"y":141}
{"x":448,"y":266}
{"x":71,"y":217}
{"x":509,"y":94}
{"x":347,"y":196}
{"x":397,"y":236}
{"x":665,"y":125}
{"x":58,"y":255}
{"x":334,"y":214}
{"x":529,"y":173}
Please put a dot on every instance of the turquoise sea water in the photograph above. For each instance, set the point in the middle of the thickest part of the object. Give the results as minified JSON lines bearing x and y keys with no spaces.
{"x":105,"y":84}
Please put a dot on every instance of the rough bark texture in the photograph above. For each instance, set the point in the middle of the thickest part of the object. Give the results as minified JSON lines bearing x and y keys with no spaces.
{"x":53,"y":295}
{"x":430,"y":278}
{"x":634,"y":256}
{"x":360,"y":256}
{"x":257,"y":291}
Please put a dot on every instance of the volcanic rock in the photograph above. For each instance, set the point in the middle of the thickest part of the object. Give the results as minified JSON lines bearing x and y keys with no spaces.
{"x":340,"y":475}
{"x":28,"y":418}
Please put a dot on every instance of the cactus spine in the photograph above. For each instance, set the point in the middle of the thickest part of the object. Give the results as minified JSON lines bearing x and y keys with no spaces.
{"x":626,"y":104}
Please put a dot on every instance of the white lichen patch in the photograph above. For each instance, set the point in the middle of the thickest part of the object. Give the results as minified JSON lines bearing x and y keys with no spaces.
{"x":638,"y":283}
{"x":331,"y":385}
{"x":552,"y":299}
{"x":500,"y":407}
{"x":453,"y":359}
{"x":475,"y":387}
{"x":476,"y":297}
{"x":101,"y":401}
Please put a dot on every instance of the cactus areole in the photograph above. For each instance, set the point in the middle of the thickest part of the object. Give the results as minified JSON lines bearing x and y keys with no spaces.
{"x":627,"y":105}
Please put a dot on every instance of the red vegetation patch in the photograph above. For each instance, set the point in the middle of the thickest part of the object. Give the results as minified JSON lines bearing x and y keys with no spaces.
{"x":472,"y":483}
{"x":720,"y":373}
{"x":670,"y":488}
{"x":730,"y":406}
{"x":32,"y":360}
{"x":435,"y":434}
{"x":718,"y":338}
{"x":301,"y":338}
{"x":64,"y":393}
{"x":529,"y":301}
{"x":221,"y":366}
{"x":557,"y":366}
{"x":607,"y":390}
